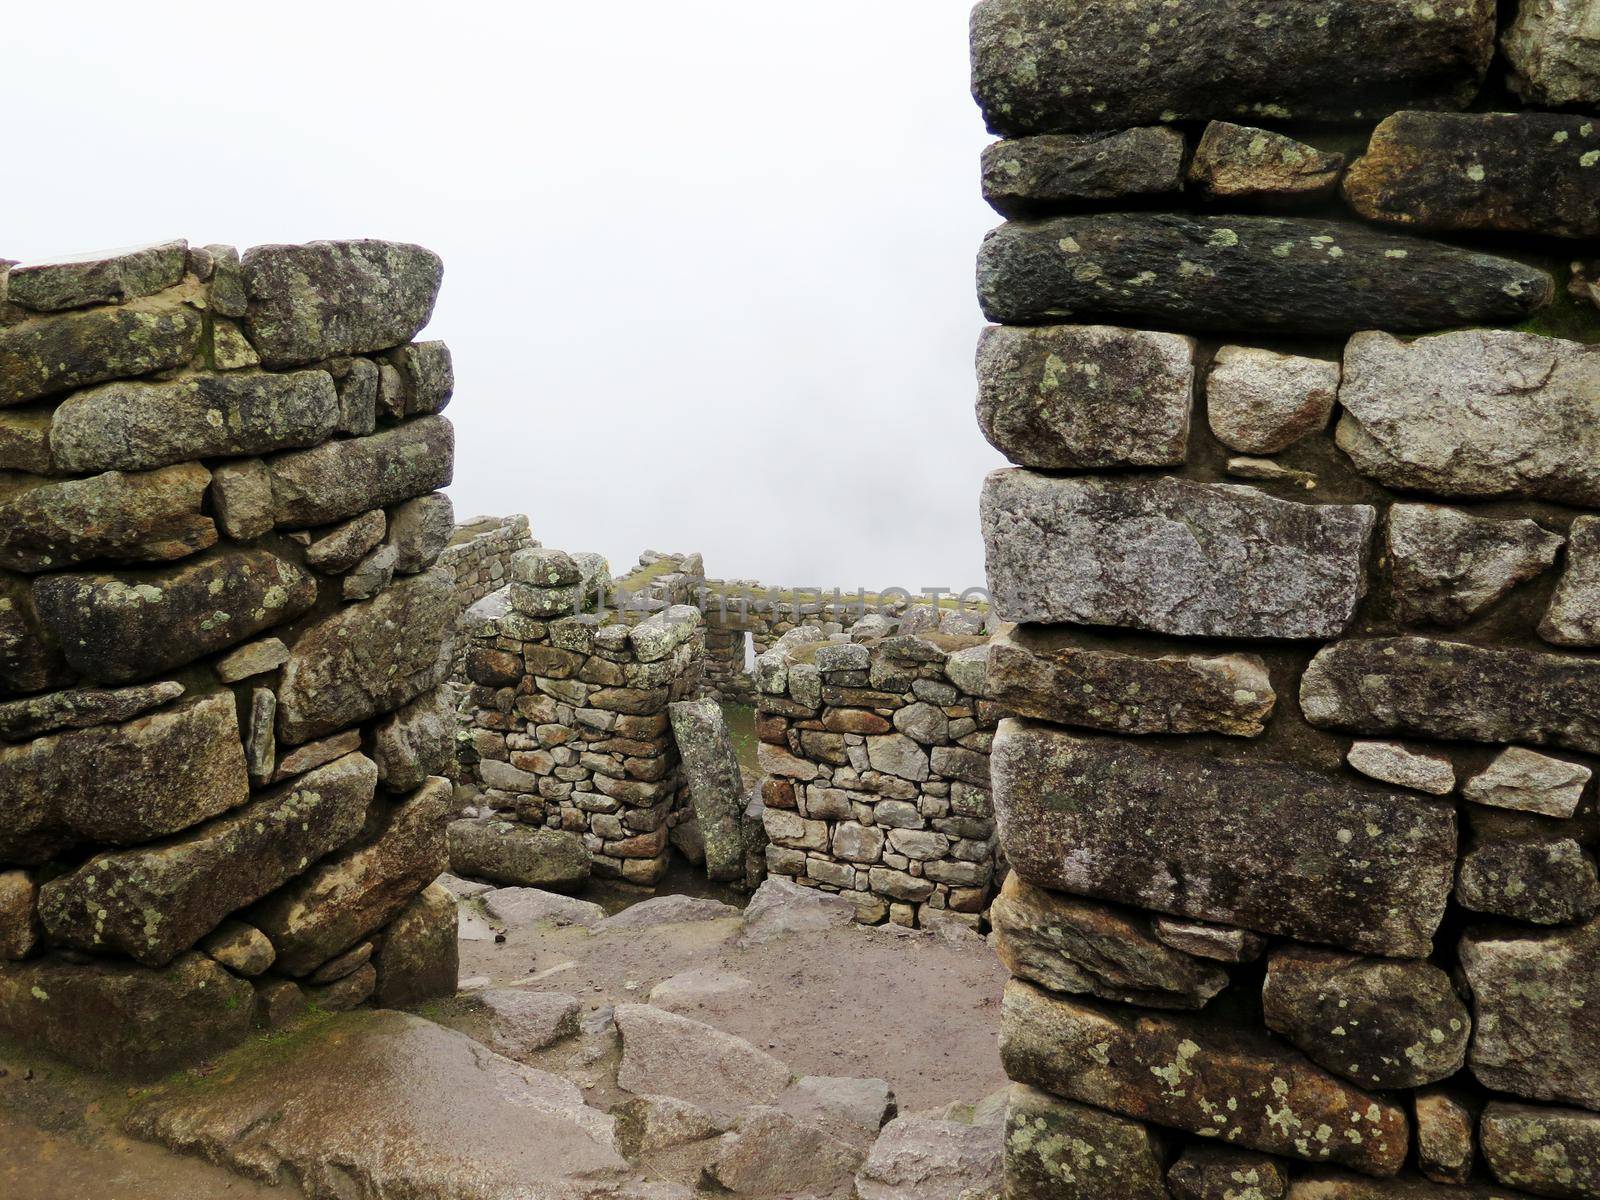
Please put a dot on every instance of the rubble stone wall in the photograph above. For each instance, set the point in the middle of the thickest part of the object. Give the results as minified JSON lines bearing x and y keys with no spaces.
{"x":566,"y":728}
{"x":1295,"y":351}
{"x":875,"y":753}
{"x":480,"y":553}
{"x":222,"y":628}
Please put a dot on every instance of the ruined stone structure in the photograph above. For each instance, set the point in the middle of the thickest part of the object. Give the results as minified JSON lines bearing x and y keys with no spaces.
{"x":1301,"y":553}
{"x":479,"y":555}
{"x":221,"y":630}
{"x":568,"y":729}
{"x":876,"y":758}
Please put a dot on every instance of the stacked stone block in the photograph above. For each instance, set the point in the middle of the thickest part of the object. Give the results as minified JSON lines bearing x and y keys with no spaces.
{"x":567,"y":728}
{"x":875,"y":753}
{"x":1299,"y":556}
{"x":221,"y":630}
{"x":480,"y":552}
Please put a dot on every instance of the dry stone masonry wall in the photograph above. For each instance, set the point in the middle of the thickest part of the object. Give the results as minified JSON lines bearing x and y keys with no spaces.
{"x":1295,"y":354}
{"x":222,"y":628}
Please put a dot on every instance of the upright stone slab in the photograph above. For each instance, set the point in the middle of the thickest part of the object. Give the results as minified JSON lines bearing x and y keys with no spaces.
{"x":715,"y":786}
{"x":1172,"y":556}
{"x":1270,"y":846}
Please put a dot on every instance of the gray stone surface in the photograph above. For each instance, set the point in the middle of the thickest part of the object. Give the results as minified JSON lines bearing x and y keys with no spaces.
{"x":1475,"y":413}
{"x":120,"y":1019}
{"x":1532,"y":173}
{"x":81,"y":708}
{"x":134,"y":426}
{"x":1241,"y":164}
{"x":519,"y":855}
{"x":122,"y":784}
{"x":102,"y":277}
{"x":258,"y":658}
{"x":144,"y":517}
{"x":349,"y":894}
{"x":419,"y":958}
{"x":716,"y":788}
{"x":768,"y":1152}
{"x":121,"y":626}
{"x":1221,"y":1173}
{"x":427,"y":377}
{"x":419,"y":530}
{"x":1085,"y":396}
{"x":664,"y":1054}
{"x":1033,"y":175}
{"x":74,"y":349}
{"x":1536,"y":1004}
{"x":1203,"y":940}
{"x":1261,"y":402}
{"x":1058,"y":1150}
{"x":347,"y":477}
{"x":1252,"y":273}
{"x":241,"y":498}
{"x":1081,"y":947}
{"x":242,"y":948}
{"x":916,"y":1158}
{"x":1547,"y":879}
{"x":153,"y":902}
{"x":1573,"y":618}
{"x":1390,"y":762}
{"x":647,"y":1123}
{"x":1381,"y":1023}
{"x":1424,"y":687}
{"x":1184,"y":1073}
{"x":1551,"y":46}
{"x":336,"y":550}
{"x":1445,"y":1141}
{"x":522,"y":1021}
{"x":669,"y":910}
{"x":1548,"y":1151}
{"x":1528,"y":782}
{"x":366,"y":659}
{"x":1446,"y":567}
{"x":520,"y":907}
{"x":25,"y":440}
{"x":1041,"y":65}
{"x":1270,"y":846}
{"x":19,"y":920}
{"x":1062,"y":676}
{"x":327,"y":298}
{"x":414,"y":742}
{"x":1171,"y":556}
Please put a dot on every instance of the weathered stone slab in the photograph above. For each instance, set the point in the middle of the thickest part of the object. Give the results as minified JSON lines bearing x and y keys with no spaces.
{"x":1445,"y":1140}
{"x":30,"y":661}
{"x":68,"y":350}
{"x":1058,"y":1150}
{"x":916,"y":1158}
{"x":1390,"y":762}
{"x":1328,"y":1185}
{"x":1479,"y":412}
{"x":664,"y":1054}
{"x":19,"y":918}
{"x":349,"y":894}
{"x":1536,"y":1000}
{"x":519,"y":855}
{"x":1573,"y":618}
{"x":123,"y":1019}
{"x":419,"y":530}
{"x":368,"y":658}
{"x":1261,"y":402}
{"x":328,"y":298}
{"x":768,"y":1152}
{"x":351,"y":476}
{"x":1554,"y":50}
{"x":1270,"y":846}
{"x":1082,"y":396}
{"x":257,"y":658}
{"x":1220,"y":942}
{"x":1447,"y":567}
{"x":153,"y":903}
{"x":242,"y":948}
{"x":1423,"y":687}
{"x":128,"y":426}
{"x":1032,"y":175}
{"x":1545,"y":879}
{"x":1381,"y":1023}
{"x":1042,"y":65}
{"x":1548,"y":1151}
{"x":121,"y":784}
{"x":146,"y":517}
{"x":415,"y":742}
{"x":1525,"y":172}
{"x":1172,"y":556}
{"x":1238,"y":163}
{"x":1058,"y":675}
{"x":1222,"y":1173}
{"x":427,"y":377}
{"x":1082,"y":948}
{"x":1255,"y":273}
{"x":25,"y":440}
{"x":116,"y":627}
{"x":1233,"y":1084}
{"x":81,"y":708}
{"x":715,"y":786}
{"x":102,"y":277}
{"x":342,"y":547}
{"x":419,"y":958}
{"x":1528,"y":782}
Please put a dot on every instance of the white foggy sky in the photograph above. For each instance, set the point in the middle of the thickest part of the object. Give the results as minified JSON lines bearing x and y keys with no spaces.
{"x":708,"y":263}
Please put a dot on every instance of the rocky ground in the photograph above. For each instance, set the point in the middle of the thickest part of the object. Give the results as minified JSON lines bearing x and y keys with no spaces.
{"x":660,"y":1050}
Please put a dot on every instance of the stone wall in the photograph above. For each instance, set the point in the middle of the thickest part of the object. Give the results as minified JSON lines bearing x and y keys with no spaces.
{"x":876,"y":758}
{"x":221,"y":630}
{"x":480,"y":553}
{"x":1301,"y":549}
{"x":567,"y":730}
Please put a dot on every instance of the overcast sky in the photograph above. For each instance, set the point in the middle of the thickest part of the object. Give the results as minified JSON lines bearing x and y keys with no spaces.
{"x":708,"y":263}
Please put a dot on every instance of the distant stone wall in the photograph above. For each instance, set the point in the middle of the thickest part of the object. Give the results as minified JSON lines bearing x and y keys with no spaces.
{"x":566,"y":730}
{"x":1302,"y":549}
{"x":876,"y":759}
{"x":221,"y":630}
{"x":480,"y":555}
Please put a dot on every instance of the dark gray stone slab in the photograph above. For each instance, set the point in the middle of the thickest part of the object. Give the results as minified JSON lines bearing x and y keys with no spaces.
{"x":73,"y":349}
{"x":715,"y":786}
{"x":351,"y":476}
{"x":1035,"y":175}
{"x":103,"y":277}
